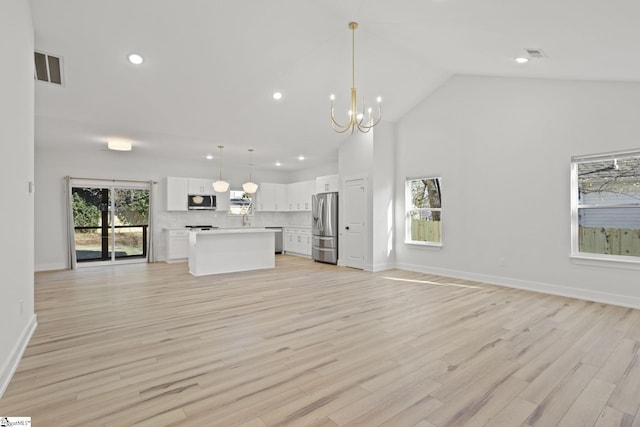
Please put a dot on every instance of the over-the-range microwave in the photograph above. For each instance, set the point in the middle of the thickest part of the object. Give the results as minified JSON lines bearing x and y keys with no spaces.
{"x":201,"y":201}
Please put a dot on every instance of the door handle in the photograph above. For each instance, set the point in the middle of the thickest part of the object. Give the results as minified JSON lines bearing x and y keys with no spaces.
{"x":346,"y":228}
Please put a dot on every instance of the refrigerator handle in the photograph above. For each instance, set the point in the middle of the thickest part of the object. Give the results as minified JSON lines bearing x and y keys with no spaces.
{"x":320,"y":214}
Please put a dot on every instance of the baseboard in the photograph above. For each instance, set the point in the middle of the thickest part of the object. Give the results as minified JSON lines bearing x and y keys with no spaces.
{"x":10,"y":366}
{"x":528,"y":285}
{"x":51,"y":267}
{"x":374,"y":268}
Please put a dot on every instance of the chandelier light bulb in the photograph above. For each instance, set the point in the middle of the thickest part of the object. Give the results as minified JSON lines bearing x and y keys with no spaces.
{"x":332,"y":97}
{"x":379,"y":99}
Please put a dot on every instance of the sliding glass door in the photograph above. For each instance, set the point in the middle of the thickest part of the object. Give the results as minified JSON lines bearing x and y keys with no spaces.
{"x":110,"y":223}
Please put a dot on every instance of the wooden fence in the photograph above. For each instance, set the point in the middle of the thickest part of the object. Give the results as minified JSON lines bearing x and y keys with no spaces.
{"x":613,"y":241}
{"x":423,"y":230}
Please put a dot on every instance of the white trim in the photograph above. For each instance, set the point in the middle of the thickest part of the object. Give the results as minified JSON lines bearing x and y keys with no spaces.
{"x":374,"y":268}
{"x":528,"y":285}
{"x":605,"y":156}
{"x":619,"y":261}
{"x":10,"y":366}
{"x":423,"y":243}
{"x":51,"y":267}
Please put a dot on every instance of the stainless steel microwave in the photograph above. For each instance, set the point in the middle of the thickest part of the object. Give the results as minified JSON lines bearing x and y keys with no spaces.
{"x":201,"y":202}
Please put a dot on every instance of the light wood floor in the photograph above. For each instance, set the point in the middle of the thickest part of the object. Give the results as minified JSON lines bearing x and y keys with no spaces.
{"x":316,"y":345}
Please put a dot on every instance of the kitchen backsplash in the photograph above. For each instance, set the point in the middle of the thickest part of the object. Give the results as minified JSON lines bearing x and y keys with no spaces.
{"x":177,"y":220}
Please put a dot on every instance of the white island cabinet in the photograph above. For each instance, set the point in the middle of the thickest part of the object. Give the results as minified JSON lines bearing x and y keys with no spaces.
{"x":230,"y":250}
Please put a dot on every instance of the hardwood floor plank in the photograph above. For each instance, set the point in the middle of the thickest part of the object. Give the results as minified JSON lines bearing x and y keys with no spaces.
{"x":309,"y":344}
{"x":514,"y":414}
{"x":587,"y":408}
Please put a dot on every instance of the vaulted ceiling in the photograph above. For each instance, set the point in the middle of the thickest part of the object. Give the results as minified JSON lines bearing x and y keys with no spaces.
{"x":211,"y":66}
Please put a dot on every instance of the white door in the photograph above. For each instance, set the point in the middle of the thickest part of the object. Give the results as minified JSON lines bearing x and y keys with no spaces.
{"x":354,"y":213}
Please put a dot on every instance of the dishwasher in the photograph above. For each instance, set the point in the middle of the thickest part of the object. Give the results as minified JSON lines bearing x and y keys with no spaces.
{"x":278,"y":237}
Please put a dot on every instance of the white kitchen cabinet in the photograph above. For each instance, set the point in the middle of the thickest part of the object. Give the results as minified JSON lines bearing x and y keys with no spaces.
{"x":297,"y":240}
{"x":201,"y":186}
{"x":328,"y":184}
{"x":266,"y":197}
{"x":300,"y":195}
{"x":293,"y":191}
{"x":272,"y":197}
{"x":307,"y":190}
{"x":282,"y":198}
{"x":177,"y":245}
{"x":177,"y":191}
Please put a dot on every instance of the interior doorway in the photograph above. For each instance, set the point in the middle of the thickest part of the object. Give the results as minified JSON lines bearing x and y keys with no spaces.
{"x":354,"y":203}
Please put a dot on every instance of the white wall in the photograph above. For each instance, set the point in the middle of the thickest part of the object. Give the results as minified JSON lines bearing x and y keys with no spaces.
{"x":313,"y":173}
{"x":382,"y":179}
{"x":503,"y":149}
{"x":52,"y":165}
{"x":16,"y":172}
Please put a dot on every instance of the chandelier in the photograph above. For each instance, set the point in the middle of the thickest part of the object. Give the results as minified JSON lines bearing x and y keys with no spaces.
{"x":357,"y":120}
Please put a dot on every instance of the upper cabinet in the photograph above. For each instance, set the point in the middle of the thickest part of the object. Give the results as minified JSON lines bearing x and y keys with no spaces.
{"x":285,"y":197}
{"x":177,"y":190}
{"x":300,"y":195}
{"x":272,"y":197}
{"x":328,"y":184}
{"x":201,"y":186}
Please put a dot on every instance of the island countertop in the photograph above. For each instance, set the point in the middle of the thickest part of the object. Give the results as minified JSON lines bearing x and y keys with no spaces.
{"x":234,"y":230}
{"x":227,"y":250}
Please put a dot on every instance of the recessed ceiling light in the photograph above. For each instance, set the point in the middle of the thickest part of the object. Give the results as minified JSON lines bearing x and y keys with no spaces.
{"x":136,"y":59}
{"x":209,"y":156}
{"x":300,"y":157}
{"x":119,"y":145}
{"x":278,"y":164}
{"x":277,"y":96}
{"x":522,"y":60}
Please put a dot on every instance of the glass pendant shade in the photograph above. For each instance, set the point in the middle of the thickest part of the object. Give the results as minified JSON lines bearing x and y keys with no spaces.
{"x":220,"y":186}
{"x":250,"y":186}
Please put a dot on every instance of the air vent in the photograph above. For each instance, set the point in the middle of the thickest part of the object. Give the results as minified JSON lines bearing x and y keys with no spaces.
{"x":535,"y":53}
{"x":48,"y":68}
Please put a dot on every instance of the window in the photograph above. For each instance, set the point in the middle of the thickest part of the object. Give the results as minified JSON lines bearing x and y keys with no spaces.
{"x":240,"y":203}
{"x":605,"y":207}
{"x":423,"y":211}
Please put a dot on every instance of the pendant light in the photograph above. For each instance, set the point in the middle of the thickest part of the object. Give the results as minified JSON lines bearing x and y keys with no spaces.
{"x":250,"y":187}
{"x":220,"y":186}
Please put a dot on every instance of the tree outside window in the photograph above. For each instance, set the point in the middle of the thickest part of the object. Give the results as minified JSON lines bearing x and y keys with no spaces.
{"x":606,"y":206}
{"x":423,"y":211}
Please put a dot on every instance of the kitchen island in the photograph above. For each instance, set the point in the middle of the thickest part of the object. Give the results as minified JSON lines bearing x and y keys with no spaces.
{"x":229,"y":250}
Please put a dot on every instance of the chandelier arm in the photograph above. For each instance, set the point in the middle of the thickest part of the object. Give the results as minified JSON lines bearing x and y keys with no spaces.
{"x":335,"y":123}
{"x":369,"y":126}
{"x":374,"y":123}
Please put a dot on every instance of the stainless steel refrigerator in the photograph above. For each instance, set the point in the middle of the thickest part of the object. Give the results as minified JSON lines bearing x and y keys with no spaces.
{"x":324,"y":244}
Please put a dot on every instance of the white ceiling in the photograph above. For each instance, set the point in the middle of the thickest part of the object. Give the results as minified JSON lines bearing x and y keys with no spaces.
{"x":211,"y":66}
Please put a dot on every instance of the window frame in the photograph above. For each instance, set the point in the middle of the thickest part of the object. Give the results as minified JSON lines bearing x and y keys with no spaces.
{"x":250,"y":211}
{"x":589,"y":258}
{"x":409,"y":208}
